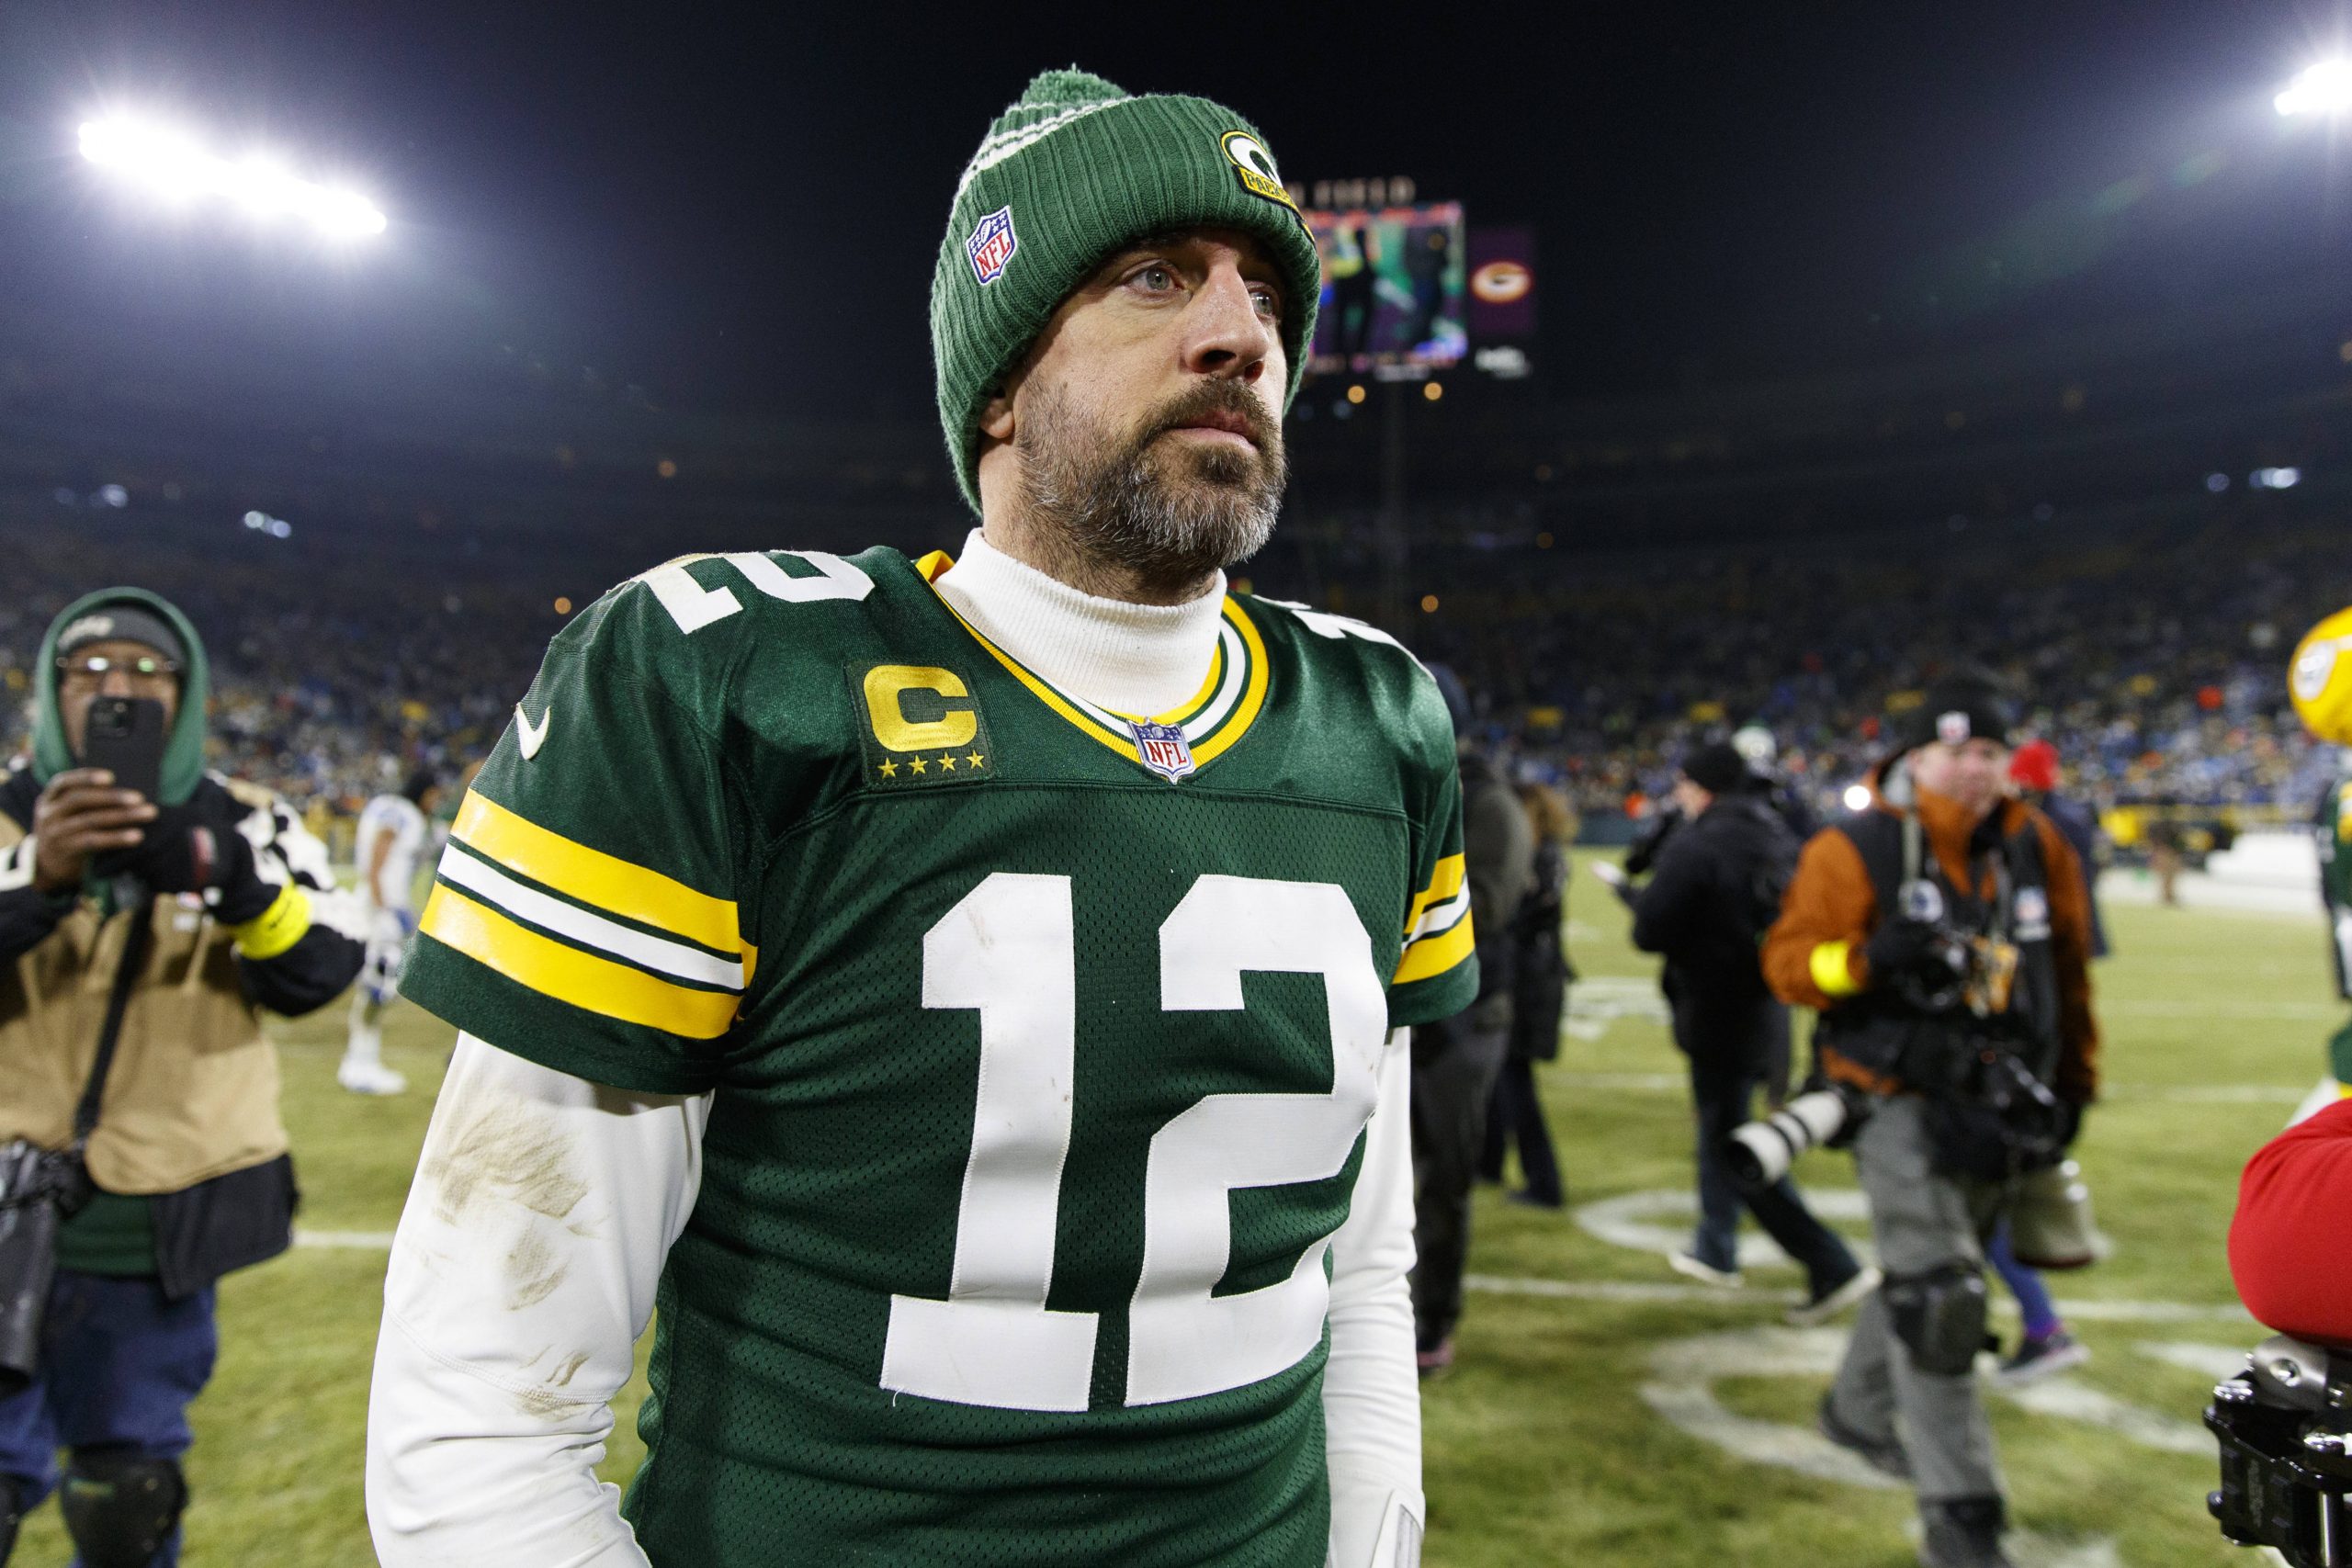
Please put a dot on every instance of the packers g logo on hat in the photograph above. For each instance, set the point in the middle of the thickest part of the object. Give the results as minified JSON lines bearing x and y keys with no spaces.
{"x":2320,"y":679}
{"x":1255,"y":168}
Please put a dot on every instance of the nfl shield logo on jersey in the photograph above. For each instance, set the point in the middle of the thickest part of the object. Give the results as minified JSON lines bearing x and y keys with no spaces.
{"x":1163,"y":750}
{"x":991,"y":245}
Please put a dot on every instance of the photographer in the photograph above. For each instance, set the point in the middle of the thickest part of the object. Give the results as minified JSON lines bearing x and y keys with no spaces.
{"x":149,"y":911}
{"x":1944,"y":932}
{"x":1714,"y":890}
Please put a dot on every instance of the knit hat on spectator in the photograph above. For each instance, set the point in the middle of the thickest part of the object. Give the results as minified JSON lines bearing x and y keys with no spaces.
{"x":1075,"y":170}
{"x":1717,"y":768}
{"x":2035,"y":766}
{"x":120,"y":622}
{"x":1958,"y":709}
{"x":136,"y":615}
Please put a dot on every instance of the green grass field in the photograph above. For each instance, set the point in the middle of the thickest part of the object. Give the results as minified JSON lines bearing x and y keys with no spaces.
{"x":1556,"y":1440}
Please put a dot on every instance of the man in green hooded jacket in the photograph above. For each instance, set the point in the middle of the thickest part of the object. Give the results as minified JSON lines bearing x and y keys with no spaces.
{"x":173,"y":921}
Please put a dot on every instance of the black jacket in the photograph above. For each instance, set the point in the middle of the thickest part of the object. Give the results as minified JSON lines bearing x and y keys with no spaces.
{"x":1540,"y":967}
{"x":1703,"y":909}
{"x":2080,"y":830}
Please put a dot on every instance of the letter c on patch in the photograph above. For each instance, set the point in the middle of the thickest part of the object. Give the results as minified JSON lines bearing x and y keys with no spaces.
{"x":885,"y":687}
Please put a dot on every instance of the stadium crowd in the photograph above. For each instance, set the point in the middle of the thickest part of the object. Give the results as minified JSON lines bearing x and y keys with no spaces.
{"x":333,"y":676}
{"x":2158,"y":671}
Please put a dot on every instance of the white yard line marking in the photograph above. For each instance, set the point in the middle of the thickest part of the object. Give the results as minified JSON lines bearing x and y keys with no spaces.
{"x":2206,"y":1093}
{"x":1623,"y":1292}
{"x":2208,"y":1007}
{"x":1630,"y":1221}
{"x":2168,"y":1094}
{"x":2215,"y":1361}
{"x":2034,"y":1550}
{"x":1669,"y":1082}
{"x":2070,"y":1400}
{"x":1658,"y":1221}
{"x":1636,"y":1293}
{"x":1683,"y":1372}
{"x":1598,"y":1001}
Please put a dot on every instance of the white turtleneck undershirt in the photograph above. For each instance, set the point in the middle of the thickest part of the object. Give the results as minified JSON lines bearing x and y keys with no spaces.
{"x":1137,"y":660}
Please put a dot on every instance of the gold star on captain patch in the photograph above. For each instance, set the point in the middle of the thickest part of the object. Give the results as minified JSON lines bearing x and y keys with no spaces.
{"x":889,"y":770}
{"x":918,"y":765}
{"x":947,"y":764}
{"x":975,"y":758}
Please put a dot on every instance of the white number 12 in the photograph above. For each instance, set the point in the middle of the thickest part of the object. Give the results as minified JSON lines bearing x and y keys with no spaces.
{"x":1008,"y":950}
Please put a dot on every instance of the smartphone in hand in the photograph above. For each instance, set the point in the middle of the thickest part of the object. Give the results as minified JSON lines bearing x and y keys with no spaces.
{"x":126,"y":736}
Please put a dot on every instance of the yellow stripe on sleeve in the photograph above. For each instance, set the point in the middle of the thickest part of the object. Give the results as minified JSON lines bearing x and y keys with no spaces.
{"x":568,"y":975}
{"x":1436,"y":955}
{"x":1446,"y":880}
{"x":596,"y":878}
{"x":1832,"y":975}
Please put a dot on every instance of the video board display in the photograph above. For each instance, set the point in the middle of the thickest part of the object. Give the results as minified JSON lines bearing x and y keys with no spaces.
{"x":1393,"y":286}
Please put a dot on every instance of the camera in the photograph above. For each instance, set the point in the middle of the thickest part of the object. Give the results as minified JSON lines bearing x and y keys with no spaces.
{"x":2285,"y":1429}
{"x":1760,"y":1153}
{"x":39,"y":1189}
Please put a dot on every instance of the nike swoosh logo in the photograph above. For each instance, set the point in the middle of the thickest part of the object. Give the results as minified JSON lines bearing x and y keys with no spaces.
{"x":531,"y":738}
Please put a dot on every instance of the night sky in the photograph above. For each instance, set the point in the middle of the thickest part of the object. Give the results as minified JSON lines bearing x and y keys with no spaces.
{"x":738,"y":206}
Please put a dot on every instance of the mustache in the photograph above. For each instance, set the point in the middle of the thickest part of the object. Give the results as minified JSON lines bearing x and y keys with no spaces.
{"x":1218,"y":398}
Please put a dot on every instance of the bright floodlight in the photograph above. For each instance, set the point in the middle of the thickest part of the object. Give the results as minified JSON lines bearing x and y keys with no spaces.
{"x":174,"y":168}
{"x":1858,"y":798}
{"x":2323,"y":88}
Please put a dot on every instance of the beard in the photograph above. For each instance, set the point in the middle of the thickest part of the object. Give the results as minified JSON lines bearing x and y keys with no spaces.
{"x":1149,"y":504}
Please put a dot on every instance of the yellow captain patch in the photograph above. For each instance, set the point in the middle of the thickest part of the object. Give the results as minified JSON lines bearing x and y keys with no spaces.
{"x":923,"y":725}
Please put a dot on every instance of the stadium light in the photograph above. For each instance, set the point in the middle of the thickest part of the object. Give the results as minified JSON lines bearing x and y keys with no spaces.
{"x":171,"y":165}
{"x":1857,"y":797}
{"x":2322,"y":88}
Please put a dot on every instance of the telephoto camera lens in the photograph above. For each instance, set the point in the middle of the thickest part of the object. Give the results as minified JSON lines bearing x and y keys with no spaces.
{"x":1760,"y":1153}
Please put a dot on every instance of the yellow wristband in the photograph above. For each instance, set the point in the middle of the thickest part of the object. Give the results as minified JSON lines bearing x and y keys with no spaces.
{"x":276,"y":928}
{"x":1831,"y":975}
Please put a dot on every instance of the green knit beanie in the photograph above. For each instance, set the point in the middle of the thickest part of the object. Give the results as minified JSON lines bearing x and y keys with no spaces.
{"x":1067,"y":175}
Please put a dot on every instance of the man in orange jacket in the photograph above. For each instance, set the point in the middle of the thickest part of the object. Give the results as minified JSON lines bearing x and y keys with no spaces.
{"x":1943,"y":932}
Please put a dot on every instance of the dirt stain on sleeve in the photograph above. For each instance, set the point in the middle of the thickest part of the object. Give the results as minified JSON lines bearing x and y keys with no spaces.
{"x":506,"y":1151}
{"x":507,"y":1154}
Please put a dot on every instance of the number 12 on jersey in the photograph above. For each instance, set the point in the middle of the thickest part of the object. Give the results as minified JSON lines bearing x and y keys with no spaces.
{"x":1009,"y":950}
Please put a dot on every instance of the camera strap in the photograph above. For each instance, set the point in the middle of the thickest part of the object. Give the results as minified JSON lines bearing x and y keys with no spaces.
{"x":1998,"y":920}
{"x":135,"y":943}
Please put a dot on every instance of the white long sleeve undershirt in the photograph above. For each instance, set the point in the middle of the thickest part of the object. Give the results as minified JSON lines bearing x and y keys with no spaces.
{"x":524,"y":1270}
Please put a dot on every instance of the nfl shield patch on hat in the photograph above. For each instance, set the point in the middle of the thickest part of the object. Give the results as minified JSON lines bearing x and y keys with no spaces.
{"x":991,"y":245}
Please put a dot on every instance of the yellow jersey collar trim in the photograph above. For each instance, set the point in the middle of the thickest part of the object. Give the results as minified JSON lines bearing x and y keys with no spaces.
{"x":1213,"y":719}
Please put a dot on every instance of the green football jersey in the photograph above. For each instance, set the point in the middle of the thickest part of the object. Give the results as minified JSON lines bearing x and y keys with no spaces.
{"x":2332,"y":827}
{"x":1042,"y":1042}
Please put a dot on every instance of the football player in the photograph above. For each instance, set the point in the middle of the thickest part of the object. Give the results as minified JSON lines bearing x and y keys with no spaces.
{"x":965,"y":996}
{"x":395,"y":831}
